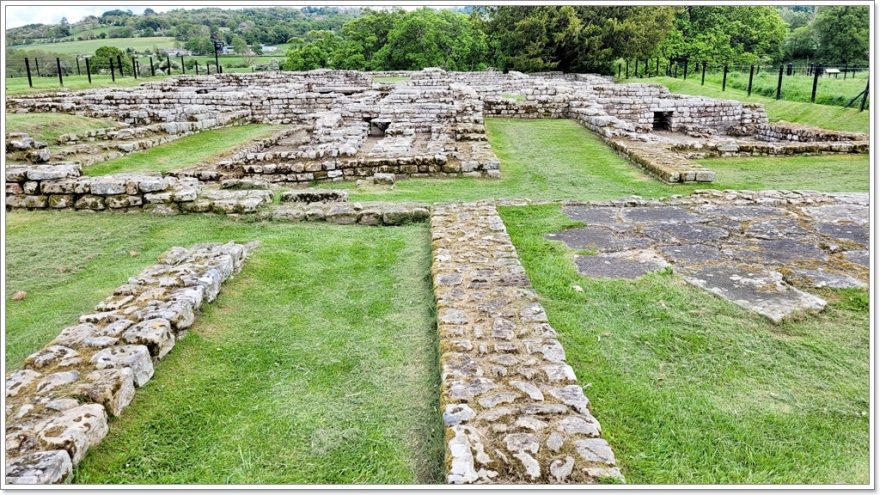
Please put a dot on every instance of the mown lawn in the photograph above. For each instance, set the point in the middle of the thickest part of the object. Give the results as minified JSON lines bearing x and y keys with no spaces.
{"x":317,"y":364}
{"x":554,"y":159}
{"x":48,"y":126}
{"x":187,"y":151}
{"x":814,"y":114}
{"x":690,"y":388}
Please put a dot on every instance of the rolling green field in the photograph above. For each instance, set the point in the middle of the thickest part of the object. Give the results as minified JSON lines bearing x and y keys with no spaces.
{"x":88,"y":47}
{"x":690,"y":388}
{"x":285,"y":378}
{"x":824,"y":116}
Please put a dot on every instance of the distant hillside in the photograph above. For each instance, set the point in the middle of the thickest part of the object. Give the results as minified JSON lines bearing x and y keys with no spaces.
{"x":191,"y":28}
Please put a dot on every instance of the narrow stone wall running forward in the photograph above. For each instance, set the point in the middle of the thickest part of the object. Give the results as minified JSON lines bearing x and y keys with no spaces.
{"x":513,"y":410}
{"x":57,"y":405}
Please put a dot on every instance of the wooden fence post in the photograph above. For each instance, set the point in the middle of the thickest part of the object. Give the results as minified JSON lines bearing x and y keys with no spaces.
{"x":779,"y":84}
{"x":751,"y":75}
{"x":119,"y":62}
{"x":703,"y":77}
{"x":815,"y":84}
{"x":134,"y":67}
{"x":686,"y":70}
{"x":152,"y":67}
{"x":112,"y":71}
{"x":182,"y":66}
{"x":27,"y":68}
{"x":197,"y":67}
{"x":88,"y":70}
{"x":60,"y":76}
{"x":865,"y":96}
{"x":79,"y":74}
{"x":627,"y":69}
{"x":37,"y":64}
{"x":724,"y":79}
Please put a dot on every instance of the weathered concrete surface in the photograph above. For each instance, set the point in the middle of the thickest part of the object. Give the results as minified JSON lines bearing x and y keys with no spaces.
{"x":760,"y":250}
{"x":513,"y":410}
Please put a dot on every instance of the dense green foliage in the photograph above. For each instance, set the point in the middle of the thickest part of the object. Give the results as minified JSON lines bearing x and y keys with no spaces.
{"x":571,"y":38}
{"x":394,"y":40}
{"x":726,"y":34}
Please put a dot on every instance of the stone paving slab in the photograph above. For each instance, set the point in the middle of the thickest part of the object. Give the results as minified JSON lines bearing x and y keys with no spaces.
{"x":512,"y":407}
{"x":758,"y":249}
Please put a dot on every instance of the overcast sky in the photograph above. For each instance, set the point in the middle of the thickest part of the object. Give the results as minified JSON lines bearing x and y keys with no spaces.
{"x":19,"y":15}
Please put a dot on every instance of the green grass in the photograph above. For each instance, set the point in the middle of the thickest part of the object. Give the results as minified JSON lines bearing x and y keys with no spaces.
{"x":88,"y":47}
{"x":187,"y":151}
{"x":286,"y":378}
{"x":828,"y":173}
{"x":829,"y":91}
{"x":690,"y":388}
{"x":824,"y":116}
{"x":390,"y":79}
{"x":19,"y":85}
{"x":48,"y":126}
{"x":560,"y":159}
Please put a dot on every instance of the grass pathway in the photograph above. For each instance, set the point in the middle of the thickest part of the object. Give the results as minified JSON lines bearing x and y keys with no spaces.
{"x":556,"y":159}
{"x":288,"y":377}
{"x":690,"y":388}
{"x":203,"y":147}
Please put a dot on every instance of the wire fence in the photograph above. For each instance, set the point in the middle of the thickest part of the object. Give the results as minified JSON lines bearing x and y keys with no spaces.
{"x":843,"y":85}
{"x":77,"y":72}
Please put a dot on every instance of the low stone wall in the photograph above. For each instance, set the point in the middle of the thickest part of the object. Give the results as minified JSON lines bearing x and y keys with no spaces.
{"x":344,"y":213}
{"x":786,"y":131}
{"x":660,"y":161}
{"x":62,"y":186}
{"x":57,"y":405}
{"x":512,"y":407}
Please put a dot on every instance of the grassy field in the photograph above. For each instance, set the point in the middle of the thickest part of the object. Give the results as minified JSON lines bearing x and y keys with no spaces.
{"x":187,"y":151}
{"x":560,"y":159}
{"x":286,"y":378}
{"x":690,"y":388}
{"x":829,"y":91}
{"x":19,"y":85}
{"x":825,"y":116}
{"x":48,"y":126}
{"x":88,"y":47}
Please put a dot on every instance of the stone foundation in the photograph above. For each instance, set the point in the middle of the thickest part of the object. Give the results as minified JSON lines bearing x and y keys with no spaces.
{"x":58,"y":404}
{"x":512,"y":407}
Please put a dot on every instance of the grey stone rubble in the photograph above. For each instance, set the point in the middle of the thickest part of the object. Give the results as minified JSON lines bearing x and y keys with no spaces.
{"x":344,"y":213}
{"x":62,"y":186}
{"x":512,"y":407}
{"x":342,"y":125}
{"x":57,"y":405}
{"x":762,"y":250}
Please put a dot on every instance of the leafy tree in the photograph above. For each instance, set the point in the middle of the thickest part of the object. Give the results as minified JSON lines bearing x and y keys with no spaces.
{"x":432,"y":38}
{"x":843,"y":33}
{"x":801,"y":43}
{"x":727,"y":34}
{"x":314,"y":52}
{"x":573,"y":38}
{"x":104,"y":54}
{"x":200,"y":45}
